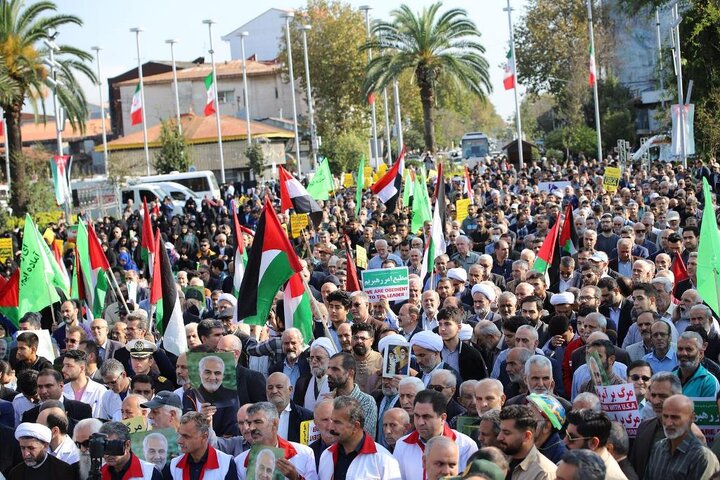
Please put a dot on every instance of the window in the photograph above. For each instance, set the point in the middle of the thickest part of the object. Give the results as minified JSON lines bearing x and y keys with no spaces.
{"x":226,"y":96}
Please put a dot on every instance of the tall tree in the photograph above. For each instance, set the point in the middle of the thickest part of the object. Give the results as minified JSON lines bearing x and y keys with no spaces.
{"x":437,"y":48}
{"x":23,"y":27}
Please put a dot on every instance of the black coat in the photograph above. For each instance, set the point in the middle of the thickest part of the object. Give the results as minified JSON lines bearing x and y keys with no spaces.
{"x":302,"y":363}
{"x":75,"y":411}
{"x":643,"y":444}
{"x":9,"y":450}
{"x":224,"y":419}
{"x":625,"y":320}
{"x":472,"y":364}
{"x":250,"y":386}
{"x":298,"y":415}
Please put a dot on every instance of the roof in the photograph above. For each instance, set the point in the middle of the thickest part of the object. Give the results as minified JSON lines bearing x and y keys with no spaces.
{"x":244,"y":26}
{"x":42,"y":132}
{"x":229,"y":69}
{"x":200,"y":129}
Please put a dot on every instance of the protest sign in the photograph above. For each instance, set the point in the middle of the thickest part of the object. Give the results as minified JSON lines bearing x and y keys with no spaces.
{"x":309,"y":432}
{"x":396,"y":360}
{"x":611,"y":179}
{"x":261,"y":464}
{"x":461,"y":209}
{"x":388,"y":283}
{"x":361,"y":259}
{"x":213,"y":377}
{"x":298,"y":221}
{"x":136,"y":424}
{"x":551,"y":187}
{"x":621,"y":405}
{"x":707,"y":417}
{"x":158,"y":447}
{"x":6,"y":249}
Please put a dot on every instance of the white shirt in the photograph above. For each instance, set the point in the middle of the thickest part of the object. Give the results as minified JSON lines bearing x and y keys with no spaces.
{"x":110,"y":406}
{"x":66,"y":451}
{"x":409,"y":452}
{"x":373,"y":462}
{"x":301,"y":456}
{"x":92,"y":396}
{"x":284,"y":420}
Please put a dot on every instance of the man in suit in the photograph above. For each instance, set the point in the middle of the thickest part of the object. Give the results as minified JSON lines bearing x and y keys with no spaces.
{"x":9,"y":449}
{"x":50,"y":387}
{"x":569,"y":277}
{"x":279,"y":392}
{"x":294,"y":362}
{"x":106,"y":348}
{"x":250,"y":384}
{"x":615,"y":307}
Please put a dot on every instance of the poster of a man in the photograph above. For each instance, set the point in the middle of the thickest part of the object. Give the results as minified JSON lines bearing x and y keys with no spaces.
{"x":396,"y":361}
{"x":155,"y":446}
{"x":261,"y":464}
{"x":155,"y":449}
{"x":214,"y":373}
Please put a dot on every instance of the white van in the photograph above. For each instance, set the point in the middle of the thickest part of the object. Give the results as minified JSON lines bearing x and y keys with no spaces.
{"x":149,"y":192}
{"x":202,"y":183}
{"x":180,"y":193}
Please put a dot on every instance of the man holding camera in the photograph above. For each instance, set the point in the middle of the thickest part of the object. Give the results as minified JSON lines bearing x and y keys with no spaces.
{"x":120,"y":462}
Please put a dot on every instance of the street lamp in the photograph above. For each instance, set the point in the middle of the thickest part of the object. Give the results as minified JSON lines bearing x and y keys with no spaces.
{"x":518,"y":123}
{"x":245,"y":87}
{"x":289,"y":16}
{"x":677,"y":19}
{"x":366,"y":9}
{"x":102,"y":105}
{"x":136,"y":31}
{"x":209,"y":23}
{"x":172,"y":42}
{"x":313,"y":137}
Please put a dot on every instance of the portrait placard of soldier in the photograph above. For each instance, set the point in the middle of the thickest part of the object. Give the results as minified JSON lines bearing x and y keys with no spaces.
{"x":213,"y":378}
{"x":261,"y":464}
{"x":155,"y":446}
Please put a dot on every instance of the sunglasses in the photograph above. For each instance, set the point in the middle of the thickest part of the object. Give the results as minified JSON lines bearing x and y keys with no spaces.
{"x":575,"y":439}
{"x":437,"y":388}
{"x":635,"y":377}
{"x":85,"y":444}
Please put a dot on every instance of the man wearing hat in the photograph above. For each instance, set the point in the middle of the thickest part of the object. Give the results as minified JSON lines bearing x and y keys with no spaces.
{"x":483,"y":294}
{"x":165,"y":410}
{"x":34,"y":440}
{"x":427,"y":347}
{"x":310,"y":389}
{"x":551,"y":420}
{"x":142,"y":361}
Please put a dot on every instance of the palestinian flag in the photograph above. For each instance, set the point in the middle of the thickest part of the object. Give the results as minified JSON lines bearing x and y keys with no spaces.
{"x":435,"y":245}
{"x":271,"y":263}
{"x":509,"y":78}
{"x":568,"y":236}
{"x":352,"y":284}
{"x":147,"y":240}
{"x":93,"y":268}
{"x":136,"y":109}
{"x":679,"y":270}
{"x":388,"y":187}
{"x":210,"y":94}
{"x":294,"y":196}
{"x":10,"y":298}
{"x":296,"y":304}
{"x":241,"y":258}
{"x":164,"y":297}
{"x":547,"y":250}
{"x":359,"y":185}
{"x":467,"y":187}
{"x":593,"y":72}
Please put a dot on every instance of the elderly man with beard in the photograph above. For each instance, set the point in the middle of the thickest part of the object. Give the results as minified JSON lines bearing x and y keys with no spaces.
{"x":298,"y":460}
{"x":83,"y":431}
{"x":38,"y":464}
{"x":483,"y":294}
{"x":183,"y":375}
{"x":515,"y":368}
{"x":211,"y":388}
{"x":396,"y":423}
{"x":323,"y":421}
{"x":369,"y":362}
{"x":695,"y":378}
{"x":165,"y":410}
{"x":538,"y":377}
{"x":236,"y":445}
{"x":427,"y":348}
{"x":311,"y":389}
{"x":341,"y":380}
{"x":155,"y":449}
{"x":295,"y":363}
{"x":291,"y":415}
{"x":679,"y":454}
{"x":488,"y":341}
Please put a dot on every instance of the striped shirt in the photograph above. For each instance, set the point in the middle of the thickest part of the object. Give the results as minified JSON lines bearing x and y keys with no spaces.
{"x":687,"y":462}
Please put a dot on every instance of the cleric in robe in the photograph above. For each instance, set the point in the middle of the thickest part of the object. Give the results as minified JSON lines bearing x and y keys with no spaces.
{"x":37,"y":463}
{"x":211,"y":389}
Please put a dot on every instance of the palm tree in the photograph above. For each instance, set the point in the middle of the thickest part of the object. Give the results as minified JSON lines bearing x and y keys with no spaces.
{"x":439,"y":49}
{"x":23,"y":32}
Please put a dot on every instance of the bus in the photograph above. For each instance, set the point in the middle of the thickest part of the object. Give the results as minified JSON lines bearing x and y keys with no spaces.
{"x":475,"y":146}
{"x":202,"y":182}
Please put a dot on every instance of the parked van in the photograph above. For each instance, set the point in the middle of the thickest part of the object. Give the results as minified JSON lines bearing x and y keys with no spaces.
{"x":180,"y":193}
{"x":202,"y":183}
{"x":149,"y":192}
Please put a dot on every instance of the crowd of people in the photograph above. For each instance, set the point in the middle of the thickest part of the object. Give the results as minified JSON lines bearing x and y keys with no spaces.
{"x":506,"y":361}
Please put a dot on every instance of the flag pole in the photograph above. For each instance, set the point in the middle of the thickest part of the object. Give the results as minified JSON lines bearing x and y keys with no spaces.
{"x":595,"y":82}
{"x":209,"y":23}
{"x":136,"y":31}
{"x":114,"y":284}
{"x":518,"y":123}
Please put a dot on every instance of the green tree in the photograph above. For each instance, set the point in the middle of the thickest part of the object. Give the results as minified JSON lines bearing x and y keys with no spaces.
{"x":344,"y":151}
{"x":173,"y":154}
{"x":572,"y":140}
{"x":437,"y":48}
{"x":23,"y":27}
{"x":256,"y":159}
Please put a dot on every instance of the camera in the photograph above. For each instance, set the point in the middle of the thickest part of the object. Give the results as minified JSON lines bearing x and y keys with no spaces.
{"x":100,"y":446}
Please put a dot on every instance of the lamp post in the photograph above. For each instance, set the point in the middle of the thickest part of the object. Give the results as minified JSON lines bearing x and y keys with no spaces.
{"x":313,"y":137}
{"x":7,"y":147}
{"x":289,"y":16}
{"x":677,"y":19}
{"x":102,"y":105}
{"x":518,"y":122}
{"x":136,"y":31}
{"x":209,"y":23}
{"x":366,"y":10}
{"x":172,"y":42}
{"x":245,"y":87}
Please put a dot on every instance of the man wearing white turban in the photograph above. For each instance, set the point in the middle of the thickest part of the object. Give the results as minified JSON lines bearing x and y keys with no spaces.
{"x":310,"y":389}
{"x":37,"y":464}
{"x":427,"y":347}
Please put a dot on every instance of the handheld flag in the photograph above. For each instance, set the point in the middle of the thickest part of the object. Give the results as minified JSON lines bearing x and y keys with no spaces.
{"x":147,"y":244}
{"x":708,"y":268}
{"x":388,"y":187}
{"x":359,"y":185}
{"x":679,"y":270}
{"x":296,"y":306}
{"x":421,"y":210}
{"x":93,"y":265}
{"x":164,"y":296}
{"x":271,"y":263}
{"x":352,"y":284}
{"x":240,"y":259}
{"x":322,"y":182}
{"x":38,"y":272}
{"x":294,"y":196}
{"x":568,"y":236}
{"x":10,"y":298}
{"x":467,"y":188}
{"x":547,"y":250}
{"x":435,"y":245}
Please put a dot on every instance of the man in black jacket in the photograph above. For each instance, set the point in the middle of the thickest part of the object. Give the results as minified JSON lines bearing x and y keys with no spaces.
{"x":50,"y":387}
{"x":250,"y":384}
{"x":279,"y":392}
{"x":461,"y":356}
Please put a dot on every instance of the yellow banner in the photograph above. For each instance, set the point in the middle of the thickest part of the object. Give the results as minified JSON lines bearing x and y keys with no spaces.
{"x":348,"y":180}
{"x":298,"y":221}
{"x":6,"y":249}
{"x":611,"y":179}
{"x":461,"y":208}
{"x":361,"y":259}
{"x":136,"y":424}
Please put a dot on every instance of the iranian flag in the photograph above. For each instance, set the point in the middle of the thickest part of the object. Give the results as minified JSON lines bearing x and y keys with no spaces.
{"x":388,"y":187}
{"x":164,"y":297}
{"x":271,"y":263}
{"x":58,"y":167}
{"x":147,"y":240}
{"x":568,"y":236}
{"x":509,"y":79}
{"x":593,"y":73}
{"x":210,"y":93}
{"x":547,"y":250}
{"x":10,"y":298}
{"x":467,"y":188}
{"x":241,"y":258}
{"x":296,"y":305}
{"x":93,"y":268}
{"x":294,"y":196}
{"x":435,"y":245}
{"x":136,"y":113}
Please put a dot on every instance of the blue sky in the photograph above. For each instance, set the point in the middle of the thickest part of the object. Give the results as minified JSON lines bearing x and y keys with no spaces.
{"x":107,"y":25}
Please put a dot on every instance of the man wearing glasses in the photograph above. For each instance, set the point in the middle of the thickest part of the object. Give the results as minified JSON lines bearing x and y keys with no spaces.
{"x":83,"y":431}
{"x":590,"y":430}
{"x":118,"y":384}
{"x":663,"y":357}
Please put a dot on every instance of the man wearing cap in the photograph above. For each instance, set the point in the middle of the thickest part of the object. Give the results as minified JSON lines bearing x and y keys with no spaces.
{"x":142,"y":360}
{"x":165,"y":410}
{"x":464,"y":257}
{"x":458,"y":279}
{"x":34,"y":440}
{"x":310,"y":389}
{"x":427,"y":348}
{"x":551,"y":420}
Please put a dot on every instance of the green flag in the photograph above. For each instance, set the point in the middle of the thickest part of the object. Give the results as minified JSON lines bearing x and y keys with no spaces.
{"x":708,"y":262}
{"x":359,"y":185}
{"x":37,"y":276}
{"x":322,"y":181}
{"x":421,"y":211}
{"x":408,"y":187}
